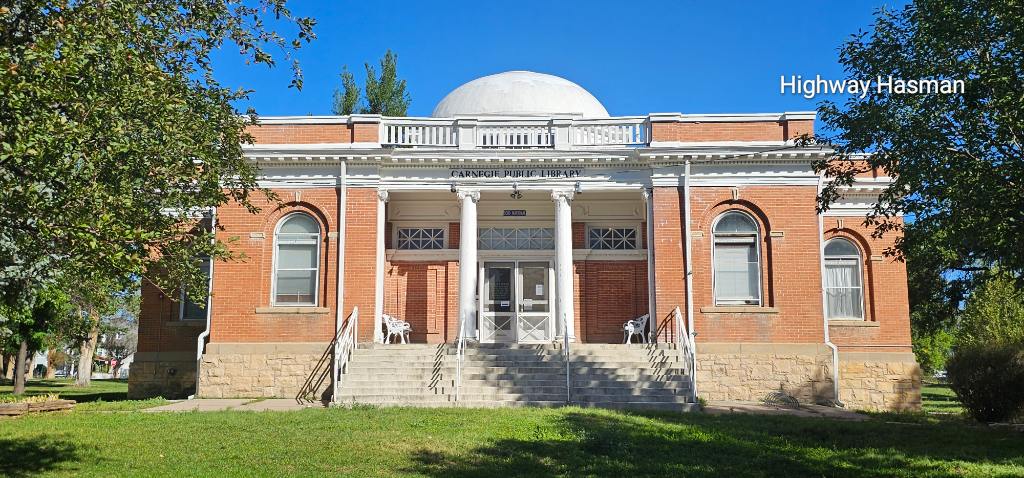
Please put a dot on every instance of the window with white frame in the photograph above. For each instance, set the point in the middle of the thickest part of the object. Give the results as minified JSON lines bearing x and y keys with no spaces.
{"x":296,"y":260}
{"x":844,"y":291}
{"x":419,"y":238}
{"x":190,"y":309}
{"x":516,"y":238}
{"x":612,"y":238}
{"x":736,"y":258}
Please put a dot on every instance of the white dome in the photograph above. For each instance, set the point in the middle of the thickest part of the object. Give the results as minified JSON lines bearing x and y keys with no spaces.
{"x":520,"y":93}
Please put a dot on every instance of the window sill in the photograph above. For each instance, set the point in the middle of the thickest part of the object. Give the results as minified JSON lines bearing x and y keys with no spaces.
{"x":187,"y":323}
{"x":293,"y":310}
{"x":739,"y":309}
{"x":852,"y":323}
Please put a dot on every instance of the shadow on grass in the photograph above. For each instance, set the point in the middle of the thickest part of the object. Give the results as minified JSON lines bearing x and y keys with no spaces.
{"x":607,"y":444}
{"x":27,"y":457}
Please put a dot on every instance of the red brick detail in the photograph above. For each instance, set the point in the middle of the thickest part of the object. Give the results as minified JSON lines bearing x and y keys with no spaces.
{"x":159,"y":329}
{"x":365,"y":132}
{"x":730,"y":131}
{"x":361,"y":257}
{"x":425,"y":294}
{"x":301,"y":133}
{"x":453,"y":235}
{"x":608,"y":293}
{"x":579,"y":235}
{"x":669,"y":248}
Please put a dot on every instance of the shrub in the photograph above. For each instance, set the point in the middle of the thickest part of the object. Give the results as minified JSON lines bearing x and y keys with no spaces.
{"x":932,"y":350}
{"x":989,"y":380}
{"x":994,"y":313}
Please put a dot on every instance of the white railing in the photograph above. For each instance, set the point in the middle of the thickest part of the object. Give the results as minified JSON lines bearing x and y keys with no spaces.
{"x":517,"y":136}
{"x":687,"y":347}
{"x":460,"y":354}
{"x":424,"y":132}
{"x":344,"y":343}
{"x":619,"y":131}
{"x":514,"y":132}
{"x":568,"y":362}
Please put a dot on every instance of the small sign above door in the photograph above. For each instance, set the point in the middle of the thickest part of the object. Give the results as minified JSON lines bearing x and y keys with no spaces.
{"x":514,"y":212}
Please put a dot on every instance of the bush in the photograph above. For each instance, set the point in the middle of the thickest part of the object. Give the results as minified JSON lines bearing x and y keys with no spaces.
{"x":994,"y":313}
{"x":932,"y":350}
{"x":989,"y":380}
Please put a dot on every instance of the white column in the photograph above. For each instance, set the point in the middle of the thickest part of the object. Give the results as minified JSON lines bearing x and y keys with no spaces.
{"x":564,"y":309}
{"x":467,"y":261}
{"x":378,"y":298}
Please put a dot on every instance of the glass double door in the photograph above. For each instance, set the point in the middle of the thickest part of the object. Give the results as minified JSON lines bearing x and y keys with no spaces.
{"x":516,"y":302}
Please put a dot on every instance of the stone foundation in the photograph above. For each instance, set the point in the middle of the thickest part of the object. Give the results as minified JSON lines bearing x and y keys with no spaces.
{"x":257,"y":370}
{"x":162,"y":374}
{"x":783,"y":372}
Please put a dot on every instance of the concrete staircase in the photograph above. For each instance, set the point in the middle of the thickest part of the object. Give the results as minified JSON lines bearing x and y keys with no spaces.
{"x":494,"y":375}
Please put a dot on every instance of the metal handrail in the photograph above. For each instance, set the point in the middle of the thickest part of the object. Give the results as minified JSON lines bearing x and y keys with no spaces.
{"x":344,"y":343}
{"x":460,"y":353}
{"x":687,"y":347}
{"x":568,"y":363}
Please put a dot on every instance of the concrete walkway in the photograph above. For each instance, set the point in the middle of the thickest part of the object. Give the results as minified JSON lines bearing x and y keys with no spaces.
{"x":803,"y":410}
{"x":219,"y":404}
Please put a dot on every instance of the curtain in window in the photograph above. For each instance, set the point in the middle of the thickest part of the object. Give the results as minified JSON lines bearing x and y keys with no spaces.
{"x":736,"y":272}
{"x":843,"y":289}
{"x":298,"y":258}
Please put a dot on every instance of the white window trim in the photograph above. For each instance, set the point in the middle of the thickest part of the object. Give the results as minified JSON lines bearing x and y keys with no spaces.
{"x":395,"y":226}
{"x":859,"y":259}
{"x":273,"y":276}
{"x":615,"y":225}
{"x":757,"y":253}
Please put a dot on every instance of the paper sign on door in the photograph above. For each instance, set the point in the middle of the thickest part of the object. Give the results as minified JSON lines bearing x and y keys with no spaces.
{"x":527,"y":304}
{"x":540,"y":290}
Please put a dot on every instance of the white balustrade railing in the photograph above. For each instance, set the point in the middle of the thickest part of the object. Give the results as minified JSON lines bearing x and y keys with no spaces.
{"x":513,"y":133}
{"x":460,"y":355}
{"x":413,"y":133}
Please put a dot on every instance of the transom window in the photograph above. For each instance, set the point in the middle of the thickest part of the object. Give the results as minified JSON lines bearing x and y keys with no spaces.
{"x":736,"y":258}
{"x":516,"y":238}
{"x":296,"y":260}
{"x":844,"y":291}
{"x":420,"y":238}
{"x":612,"y":238}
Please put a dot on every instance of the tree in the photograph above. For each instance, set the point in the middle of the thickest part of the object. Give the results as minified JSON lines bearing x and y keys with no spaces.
{"x":27,"y":327}
{"x":121,"y":332}
{"x":955,"y":159}
{"x":385,"y":94}
{"x":114,"y":131}
{"x":994,"y":313}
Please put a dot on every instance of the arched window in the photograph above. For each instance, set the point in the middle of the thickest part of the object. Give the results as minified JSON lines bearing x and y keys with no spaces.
{"x":296,"y":260}
{"x":737,"y":264}
{"x":844,"y":292}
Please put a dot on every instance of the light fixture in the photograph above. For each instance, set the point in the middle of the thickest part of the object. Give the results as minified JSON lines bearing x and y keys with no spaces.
{"x":578,"y":189}
{"x":515,"y":192}
{"x":453,"y":187}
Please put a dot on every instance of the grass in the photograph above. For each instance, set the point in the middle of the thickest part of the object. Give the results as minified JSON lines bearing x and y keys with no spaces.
{"x":937,"y":397}
{"x":100,"y":395}
{"x":366,"y":441}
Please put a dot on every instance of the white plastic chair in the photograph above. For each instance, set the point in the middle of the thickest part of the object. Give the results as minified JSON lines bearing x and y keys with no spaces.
{"x":397,"y":327}
{"x":635,"y":327}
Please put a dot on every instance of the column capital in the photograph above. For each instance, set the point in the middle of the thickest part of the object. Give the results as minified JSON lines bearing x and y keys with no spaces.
{"x":647,"y":192}
{"x":471,"y":194}
{"x":383,"y":195}
{"x":560,"y":194}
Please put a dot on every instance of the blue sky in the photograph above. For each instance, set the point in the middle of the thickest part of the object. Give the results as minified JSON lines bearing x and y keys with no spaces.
{"x":635,"y":57}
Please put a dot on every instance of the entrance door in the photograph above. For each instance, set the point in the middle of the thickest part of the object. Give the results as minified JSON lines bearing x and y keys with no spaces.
{"x":515,"y":302}
{"x":497,"y":313}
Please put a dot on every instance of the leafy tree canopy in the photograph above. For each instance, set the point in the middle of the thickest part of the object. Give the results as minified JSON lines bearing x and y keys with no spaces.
{"x":956,"y":159}
{"x":113,"y":129}
{"x":385,"y":94}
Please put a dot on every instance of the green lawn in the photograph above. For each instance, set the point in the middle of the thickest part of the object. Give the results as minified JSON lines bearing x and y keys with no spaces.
{"x":938,"y":398}
{"x":496,"y":443}
{"x":100,"y":395}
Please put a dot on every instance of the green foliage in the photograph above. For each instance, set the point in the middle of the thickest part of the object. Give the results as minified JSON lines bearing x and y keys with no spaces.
{"x":385,"y":94}
{"x":932,"y":350}
{"x":994,"y":313}
{"x":114,"y":130}
{"x":956,"y":159}
{"x":989,"y":380}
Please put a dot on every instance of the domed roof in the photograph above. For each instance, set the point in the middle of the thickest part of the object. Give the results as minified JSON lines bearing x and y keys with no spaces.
{"x":520,"y":93}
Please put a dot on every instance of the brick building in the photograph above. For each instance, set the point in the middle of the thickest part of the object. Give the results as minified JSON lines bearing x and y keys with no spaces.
{"x":571,"y":222}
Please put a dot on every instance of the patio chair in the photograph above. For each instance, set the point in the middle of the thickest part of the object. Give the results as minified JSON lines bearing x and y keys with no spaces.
{"x":397,"y":327}
{"x":635,"y":326}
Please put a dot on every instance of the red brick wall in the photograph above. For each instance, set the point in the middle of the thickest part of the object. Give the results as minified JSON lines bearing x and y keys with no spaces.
{"x":730,"y":131}
{"x":425,"y":294}
{"x":608,"y":293}
{"x":885,"y":291}
{"x":669,"y":250}
{"x":300,"y":133}
{"x":361,"y":257}
{"x":159,"y":328}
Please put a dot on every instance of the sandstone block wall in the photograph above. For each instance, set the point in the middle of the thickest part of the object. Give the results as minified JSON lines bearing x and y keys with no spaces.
{"x":258,"y":370}
{"x":880,"y":381}
{"x":169,"y":375}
